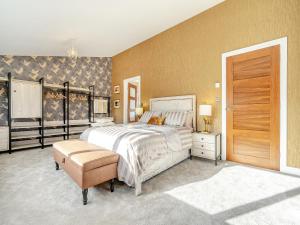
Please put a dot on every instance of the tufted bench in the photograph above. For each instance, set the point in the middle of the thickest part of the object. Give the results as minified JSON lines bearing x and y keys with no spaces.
{"x":87,"y":164}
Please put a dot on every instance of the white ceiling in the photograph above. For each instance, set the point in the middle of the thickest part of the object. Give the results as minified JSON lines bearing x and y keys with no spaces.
{"x":100,"y":27}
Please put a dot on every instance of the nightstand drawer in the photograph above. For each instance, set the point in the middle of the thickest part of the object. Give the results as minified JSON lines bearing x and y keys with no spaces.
{"x":197,"y":137}
{"x":204,"y":145}
{"x":203,"y":153}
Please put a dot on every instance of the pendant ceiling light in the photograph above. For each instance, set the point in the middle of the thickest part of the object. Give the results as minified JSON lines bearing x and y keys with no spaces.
{"x":72,"y":52}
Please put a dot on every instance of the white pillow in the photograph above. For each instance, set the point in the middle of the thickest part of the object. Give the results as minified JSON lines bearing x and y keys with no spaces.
{"x":175,"y":118}
{"x":146,"y":117}
{"x":189,"y":120}
{"x":156,"y":113}
{"x":104,"y":119}
{"x":103,"y":124}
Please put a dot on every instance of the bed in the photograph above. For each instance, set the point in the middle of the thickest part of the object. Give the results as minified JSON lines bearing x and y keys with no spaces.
{"x":147,"y":150}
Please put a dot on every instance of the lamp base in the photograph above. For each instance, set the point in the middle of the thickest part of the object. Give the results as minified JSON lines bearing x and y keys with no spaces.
{"x":204,"y":132}
{"x":206,"y":123}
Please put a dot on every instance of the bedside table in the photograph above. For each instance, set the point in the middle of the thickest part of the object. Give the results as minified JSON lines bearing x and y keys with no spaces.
{"x":207,"y":145}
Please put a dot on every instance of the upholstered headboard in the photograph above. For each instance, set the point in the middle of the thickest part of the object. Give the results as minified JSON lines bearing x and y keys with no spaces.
{"x":175,"y":103}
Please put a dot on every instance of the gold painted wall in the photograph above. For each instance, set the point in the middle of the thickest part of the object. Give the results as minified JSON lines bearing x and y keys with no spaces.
{"x":186,"y":59}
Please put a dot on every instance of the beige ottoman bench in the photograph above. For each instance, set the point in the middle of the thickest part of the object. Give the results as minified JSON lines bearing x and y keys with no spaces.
{"x":87,"y":164}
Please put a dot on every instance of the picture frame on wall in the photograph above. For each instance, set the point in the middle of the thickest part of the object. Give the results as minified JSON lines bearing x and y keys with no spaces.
{"x":117,"y":103}
{"x":117,"y":89}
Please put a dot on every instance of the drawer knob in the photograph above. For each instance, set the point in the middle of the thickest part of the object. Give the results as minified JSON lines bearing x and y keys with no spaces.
{"x":202,"y":153}
{"x":202,"y":146}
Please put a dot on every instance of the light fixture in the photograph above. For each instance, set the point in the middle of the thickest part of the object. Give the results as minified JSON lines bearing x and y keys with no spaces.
{"x":205,"y":111}
{"x":72,"y":52}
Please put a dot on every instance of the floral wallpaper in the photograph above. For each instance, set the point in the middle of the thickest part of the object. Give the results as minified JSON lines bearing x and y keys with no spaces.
{"x":80,"y":72}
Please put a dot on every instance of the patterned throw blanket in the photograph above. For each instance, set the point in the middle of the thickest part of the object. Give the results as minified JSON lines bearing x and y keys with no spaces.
{"x":139,"y":146}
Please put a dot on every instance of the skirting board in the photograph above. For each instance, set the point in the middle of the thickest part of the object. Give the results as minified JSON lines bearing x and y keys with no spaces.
{"x":290,"y":170}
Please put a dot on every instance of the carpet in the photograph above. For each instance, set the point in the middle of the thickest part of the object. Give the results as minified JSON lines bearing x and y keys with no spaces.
{"x":192,"y":192}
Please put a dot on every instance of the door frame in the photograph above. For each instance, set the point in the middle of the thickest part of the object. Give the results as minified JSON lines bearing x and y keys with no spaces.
{"x":125,"y":95}
{"x":283,"y":98}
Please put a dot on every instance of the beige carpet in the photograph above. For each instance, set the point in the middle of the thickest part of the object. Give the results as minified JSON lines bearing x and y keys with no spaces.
{"x":193,"y":192}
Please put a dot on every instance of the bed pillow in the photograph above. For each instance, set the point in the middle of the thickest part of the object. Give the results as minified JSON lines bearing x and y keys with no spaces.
{"x":189,"y":119}
{"x":146,"y":117}
{"x":156,"y":120}
{"x":104,"y":120}
{"x":156,"y":113}
{"x":102,"y":124}
{"x":175,"y":118}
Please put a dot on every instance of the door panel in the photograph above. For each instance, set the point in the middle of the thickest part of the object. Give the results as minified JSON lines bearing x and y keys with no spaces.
{"x":255,"y":118}
{"x":132,"y":101}
{"x":252,"y":144}
{"x":132,"y":92}
{"x":132,"y":104}
{"x":252,"y":91}
{"x":251,"y":68}
{"x":253,"y":108}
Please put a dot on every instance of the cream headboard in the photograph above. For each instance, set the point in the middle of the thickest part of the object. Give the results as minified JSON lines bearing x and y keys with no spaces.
{"x":175,"y":103}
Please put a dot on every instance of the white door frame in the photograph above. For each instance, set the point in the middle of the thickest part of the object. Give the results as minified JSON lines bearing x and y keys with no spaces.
{"x":125,"y":97}
{"x":283,"y":99}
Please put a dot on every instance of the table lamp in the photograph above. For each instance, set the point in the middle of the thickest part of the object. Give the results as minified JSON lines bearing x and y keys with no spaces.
{"x":139,"y":111}
{"x":205,"y":111}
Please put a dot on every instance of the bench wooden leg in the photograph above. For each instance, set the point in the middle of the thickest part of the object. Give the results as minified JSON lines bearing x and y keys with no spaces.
{"x":56,"y":166}
{"x":112,"y":185}
{"x":84,"y":196}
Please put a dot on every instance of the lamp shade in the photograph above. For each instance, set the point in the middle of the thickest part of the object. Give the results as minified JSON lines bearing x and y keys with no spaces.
{"x":139,"y":111}
{"x":205,"y":110}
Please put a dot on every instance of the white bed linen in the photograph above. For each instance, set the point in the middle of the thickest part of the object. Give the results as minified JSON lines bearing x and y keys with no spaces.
{"x":141,"y":147}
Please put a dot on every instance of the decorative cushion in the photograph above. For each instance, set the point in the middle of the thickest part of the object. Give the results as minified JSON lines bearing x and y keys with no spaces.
{"x":175,"y":118}
{"x":147,"y":115}
{"x":156,"y":120}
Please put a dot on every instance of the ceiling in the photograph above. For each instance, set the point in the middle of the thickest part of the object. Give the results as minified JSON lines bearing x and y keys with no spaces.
{"x":97,"y":27}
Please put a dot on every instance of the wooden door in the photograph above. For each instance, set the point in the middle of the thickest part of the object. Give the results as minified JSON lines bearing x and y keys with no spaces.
{"x":253,"y":101}
{"x":132,"y":102}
